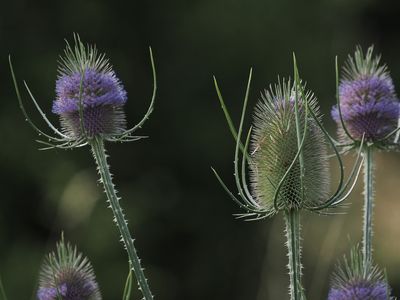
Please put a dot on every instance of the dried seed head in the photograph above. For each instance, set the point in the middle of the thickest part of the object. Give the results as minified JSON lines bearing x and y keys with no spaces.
{"x":87,"y":82}
{"x":274,"y":147}
{"x":368,"y":101}
{"x":67,"y":275}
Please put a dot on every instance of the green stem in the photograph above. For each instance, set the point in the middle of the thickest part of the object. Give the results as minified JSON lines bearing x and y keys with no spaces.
{"x":368,"y":205}
{"x":2,"y":291}
{"x":292,"y":221}
{"x":106,"y":178}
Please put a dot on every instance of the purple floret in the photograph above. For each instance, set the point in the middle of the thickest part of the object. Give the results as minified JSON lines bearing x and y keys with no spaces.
{"x":69,"y":291}
{"x":361,"y":290}
{"x":369,"y":106}
{"x":102,"y":96}
{"x":97,"y":89}
{"x":50,"y":293}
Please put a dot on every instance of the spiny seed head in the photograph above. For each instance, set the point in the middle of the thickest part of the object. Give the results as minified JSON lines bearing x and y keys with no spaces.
{"x":274,"y":146}
{"x":368,"y":101}
{"x":67,"y":275}
{"x":353,"y":281}
{"x":87,"y":82}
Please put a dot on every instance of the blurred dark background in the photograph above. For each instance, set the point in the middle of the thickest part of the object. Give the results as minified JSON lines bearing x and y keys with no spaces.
{"x":191,"y":246}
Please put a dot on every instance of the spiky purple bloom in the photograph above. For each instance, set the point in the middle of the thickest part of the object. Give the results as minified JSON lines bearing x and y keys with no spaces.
{"x":97,"y":89}
{"x":368,"y":101}
{"x":353,"y":280}
{"x":87,"y":87}
{"x":361,"y":290}
{"x":67,"y":275}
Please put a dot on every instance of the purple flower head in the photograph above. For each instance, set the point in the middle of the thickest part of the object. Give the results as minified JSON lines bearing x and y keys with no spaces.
{"x":353,"y":280}
{"x":67,"y":276}
{"x":52,"y":293}
{"x":368,"y":102}
{"x":98,"y":89}
{"x":89,"y":96}
{"x":360,"y":290}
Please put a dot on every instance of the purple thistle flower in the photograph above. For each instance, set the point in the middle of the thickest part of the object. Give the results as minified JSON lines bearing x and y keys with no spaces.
{"x":52,"y":293}
{"x":355,"y":280}
{"x":67,"y":275}
{"x":360,"y":290}
{"x":89,"y":96}
{"x":368,"y":102}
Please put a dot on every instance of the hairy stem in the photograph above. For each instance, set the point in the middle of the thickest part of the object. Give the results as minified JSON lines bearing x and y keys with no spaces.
{"x":106,"y":178}
{"x":368,"y":205}
{"x":292,"y":221}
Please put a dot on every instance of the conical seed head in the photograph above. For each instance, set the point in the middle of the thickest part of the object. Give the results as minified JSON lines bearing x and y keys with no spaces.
{"x":67,"y":275}
{"x":274,"y":146}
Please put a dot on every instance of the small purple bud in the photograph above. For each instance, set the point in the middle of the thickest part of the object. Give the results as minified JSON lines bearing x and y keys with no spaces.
{"x":368,"y":101}
{"x":353,"y":280}
{"x":67,"y":275}
{"x":360,"y":290}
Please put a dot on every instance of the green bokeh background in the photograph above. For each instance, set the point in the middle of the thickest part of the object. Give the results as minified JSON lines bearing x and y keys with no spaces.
{"x":191,"y":246}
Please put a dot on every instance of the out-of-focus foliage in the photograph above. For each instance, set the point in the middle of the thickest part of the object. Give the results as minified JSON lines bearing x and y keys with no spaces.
{"x":190,"y":245}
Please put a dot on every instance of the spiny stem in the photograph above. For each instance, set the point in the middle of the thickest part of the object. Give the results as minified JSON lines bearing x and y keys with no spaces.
{"x":99,"y":154}
{"x":292,"y":221}
{"x":368,"y":205}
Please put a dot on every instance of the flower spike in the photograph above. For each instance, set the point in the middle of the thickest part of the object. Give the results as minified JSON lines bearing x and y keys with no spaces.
{"x":367,"y":114}
{"x":287,"y":163}
{"x":89,"y":102}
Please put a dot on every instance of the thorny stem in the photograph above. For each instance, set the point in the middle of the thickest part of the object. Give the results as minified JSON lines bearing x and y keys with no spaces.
{"x":100,"y":156}
{"x":368,"y":205}
{"x":292,"y":221}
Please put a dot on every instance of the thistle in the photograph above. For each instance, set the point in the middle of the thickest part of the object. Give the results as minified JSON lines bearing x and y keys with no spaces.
{"x":89,"y":101}
{"x":367,"y":106}
{"x":288,"y":164}
{"x":367,"y":102}
{"x":353,"y":280}
{"x":67,"y":275}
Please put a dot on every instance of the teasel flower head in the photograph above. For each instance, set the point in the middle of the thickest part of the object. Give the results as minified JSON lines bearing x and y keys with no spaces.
{"x":367,"y":102}
{"x":67,"y":275}
{"x":274,"y":145}
{"x":353,"y":280}
{"x":288,"y":159}
{"x":89,"y":100}
{"x":87,"y":87}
